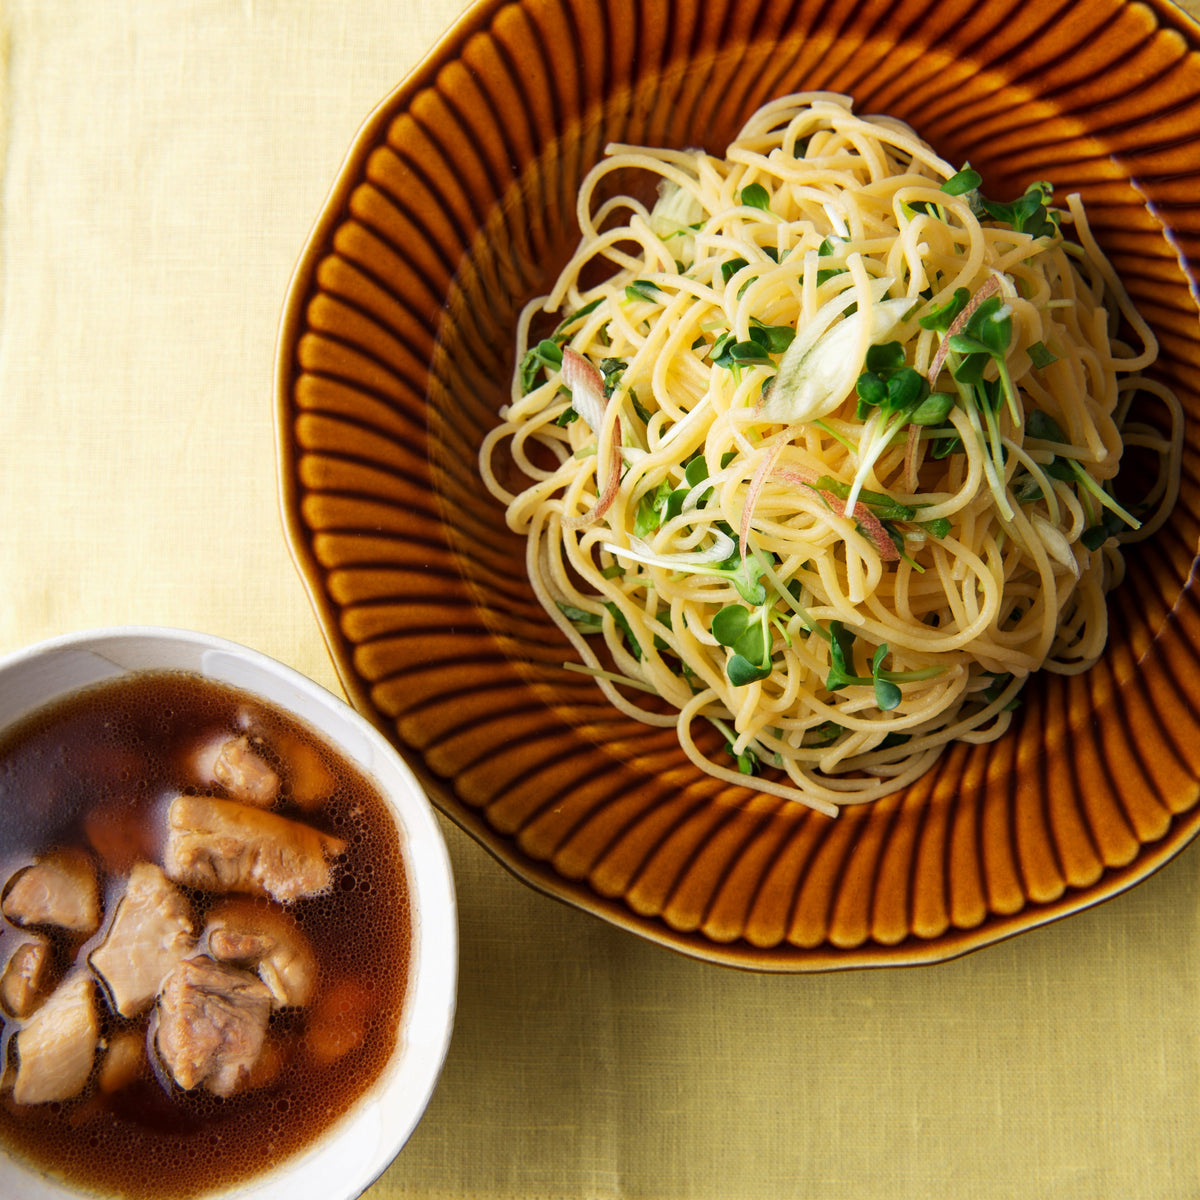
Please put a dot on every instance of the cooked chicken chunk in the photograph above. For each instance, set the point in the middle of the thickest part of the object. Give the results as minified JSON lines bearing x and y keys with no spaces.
{"x":271,"y":1062}
{"x":245,"y":774}
{"x":58,"y":889}
{"x":223,"y":846}
{"x":57,"y":1045}
{"x":123,"y":1061}
{"x":264,"y":938}
{"x":239,"y":766}
{"x":310,"y":779}
{"x":150,"y":932}
{"x":212,"y":1023}
{"x":26,"y":976}
{"x":119,"y":831}
{"x":337,"y":1023}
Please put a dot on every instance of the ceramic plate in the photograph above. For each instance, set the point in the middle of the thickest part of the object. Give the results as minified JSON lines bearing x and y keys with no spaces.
{"x":456,"y":204}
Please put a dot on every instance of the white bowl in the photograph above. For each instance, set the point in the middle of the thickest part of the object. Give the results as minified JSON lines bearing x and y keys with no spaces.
{"x":350,"y":1155}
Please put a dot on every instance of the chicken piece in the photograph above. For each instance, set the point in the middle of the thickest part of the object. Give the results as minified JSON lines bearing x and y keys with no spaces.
{"x":123,"y":1061}
{"x":57,"y":1045}
{"x":212,"y":1024}
{"x":223,"y":846}
{"x":25,"y":977}
{"x":263,"y":938}
{"x":276,"y":1054}
{"x":58,"y":889}
{"x":151,"y":931}
{"x":310,"y":779}
{"x":238,"y":765}
{"x":120,"y":831}
{"x":338,"y":1021}
{"x":245,"y":774}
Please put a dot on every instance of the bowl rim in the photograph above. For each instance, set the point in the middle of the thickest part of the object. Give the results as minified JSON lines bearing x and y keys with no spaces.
{"x":383,"y":1118}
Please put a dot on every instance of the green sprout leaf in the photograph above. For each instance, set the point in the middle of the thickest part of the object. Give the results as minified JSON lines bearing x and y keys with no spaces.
{"x":753,"y":644}
{"x":587,"y":622}
{"x":841,"y":657}
{"x":747,"y":760}
{"x":754,"y":195}
{"x":742,"y":671}
{"x":872,"y":392}
{"x":696,"y":471}
{"x":939,"y":527}
{"x":546,"y":354}
{"x":730,"y":267}
{"x":1109,"y":525}
{"x":733,"y":627}
{"x":962,"y":181}
{"x":943,"y":447}
{"x":773,"y":338}
{"x":747,"y":576}
{"x":824,"y":734}
{"x":626,"y":631}
{"x":942,"y":316}
{"x":1041,"y":425}
{"x":841,"y":669}
{"x":650,"y":510}
{"x":741,"y":354}
{"x":565,"y":324}
{"x":906,"y":389}
{"x":729,"y":624}
{"x":643,"y":289}
{"x":887,"y":694}
{"x":885,"y":357}
{"x":1040,"y":356}
{"x":1029,"y":213}
{"x":888,"y":382}
{"x":933,"y":410}
{"x":612,"y":369}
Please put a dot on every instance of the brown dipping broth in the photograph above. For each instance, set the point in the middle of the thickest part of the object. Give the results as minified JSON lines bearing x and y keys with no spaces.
{"x":115,"y":751}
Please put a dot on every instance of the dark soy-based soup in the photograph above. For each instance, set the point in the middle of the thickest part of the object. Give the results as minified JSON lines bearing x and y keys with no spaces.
{"x":205,"y":937}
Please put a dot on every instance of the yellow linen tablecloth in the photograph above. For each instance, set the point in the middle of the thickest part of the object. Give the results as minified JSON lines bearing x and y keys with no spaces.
{"x":161,"y":166}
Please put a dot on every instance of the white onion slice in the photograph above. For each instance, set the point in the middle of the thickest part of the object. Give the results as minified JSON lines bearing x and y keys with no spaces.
{"x":639,"y":551}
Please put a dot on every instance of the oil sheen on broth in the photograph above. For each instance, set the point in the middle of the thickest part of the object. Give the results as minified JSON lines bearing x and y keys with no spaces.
{"x":205,"y":937}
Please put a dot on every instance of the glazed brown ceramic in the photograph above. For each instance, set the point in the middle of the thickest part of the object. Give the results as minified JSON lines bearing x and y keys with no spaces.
{"x":456,"y":204}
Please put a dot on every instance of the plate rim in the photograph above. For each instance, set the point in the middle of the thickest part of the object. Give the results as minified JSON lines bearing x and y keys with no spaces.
{"x":913,"y":950}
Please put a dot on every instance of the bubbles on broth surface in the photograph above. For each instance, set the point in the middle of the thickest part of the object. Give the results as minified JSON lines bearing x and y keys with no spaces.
{"x":98,"y":771}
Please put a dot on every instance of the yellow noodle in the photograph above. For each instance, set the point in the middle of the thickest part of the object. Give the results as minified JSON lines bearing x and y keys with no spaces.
{"x":978,"y":551}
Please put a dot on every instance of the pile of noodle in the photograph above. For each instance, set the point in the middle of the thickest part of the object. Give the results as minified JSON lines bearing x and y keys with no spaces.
{"x":670,"y":477}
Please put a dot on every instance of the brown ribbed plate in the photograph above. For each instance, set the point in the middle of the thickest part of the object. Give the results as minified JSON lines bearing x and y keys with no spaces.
{"x":456,"y":204}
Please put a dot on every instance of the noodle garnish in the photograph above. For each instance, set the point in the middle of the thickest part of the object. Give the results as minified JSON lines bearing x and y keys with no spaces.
{"x":835,"y":442}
